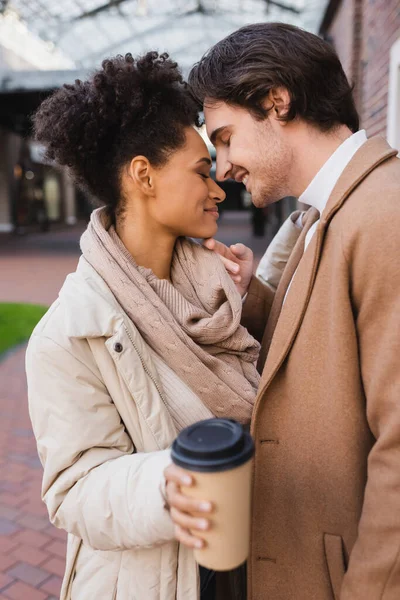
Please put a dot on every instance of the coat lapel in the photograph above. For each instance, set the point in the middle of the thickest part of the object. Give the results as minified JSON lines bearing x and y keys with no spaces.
{"x":374,"y":152}
{"x":294,"y":308}
{"x":291,"y":267}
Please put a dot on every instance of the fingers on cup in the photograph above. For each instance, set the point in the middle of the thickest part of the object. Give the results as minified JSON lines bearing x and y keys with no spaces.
{"x":185,"y":504}
{"x":186,"y":521}
{"x":177,"y":475}
{"x":184,"y":536}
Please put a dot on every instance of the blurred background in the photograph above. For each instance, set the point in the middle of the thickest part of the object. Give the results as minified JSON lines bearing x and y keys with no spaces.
{"x":45,"y":43}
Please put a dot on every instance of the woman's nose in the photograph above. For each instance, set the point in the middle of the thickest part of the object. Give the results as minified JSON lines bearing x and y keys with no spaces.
{"x":216,"y":192}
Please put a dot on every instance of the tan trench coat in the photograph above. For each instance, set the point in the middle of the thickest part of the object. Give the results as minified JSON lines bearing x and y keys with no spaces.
{"x":326,"y":521}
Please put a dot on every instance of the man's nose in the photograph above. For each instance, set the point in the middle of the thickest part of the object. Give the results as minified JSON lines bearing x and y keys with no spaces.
{"x":223,"y":170}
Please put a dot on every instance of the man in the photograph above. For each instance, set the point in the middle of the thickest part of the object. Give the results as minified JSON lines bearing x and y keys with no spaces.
{"x":326,"y":422}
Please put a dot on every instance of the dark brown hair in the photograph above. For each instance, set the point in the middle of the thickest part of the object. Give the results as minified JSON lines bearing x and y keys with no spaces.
{"x":243,"y":68}
{"x":129,"y":107}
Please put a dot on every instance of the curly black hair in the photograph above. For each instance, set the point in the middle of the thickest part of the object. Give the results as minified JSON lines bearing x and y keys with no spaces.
{"x":129,"y":107}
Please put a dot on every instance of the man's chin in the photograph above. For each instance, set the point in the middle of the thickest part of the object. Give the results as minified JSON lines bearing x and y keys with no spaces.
{"x":264,"y":200}
{"x":261,"y":201}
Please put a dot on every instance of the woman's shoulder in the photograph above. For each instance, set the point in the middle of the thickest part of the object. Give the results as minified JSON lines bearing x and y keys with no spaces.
{"x":85,"y":308}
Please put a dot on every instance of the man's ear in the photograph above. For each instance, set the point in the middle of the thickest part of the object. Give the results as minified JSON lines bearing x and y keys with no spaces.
{"x":140,"y":173}
{"x":278,"y":102}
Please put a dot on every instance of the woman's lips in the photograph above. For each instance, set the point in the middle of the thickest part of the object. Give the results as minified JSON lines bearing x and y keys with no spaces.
{"x":212,"y":211}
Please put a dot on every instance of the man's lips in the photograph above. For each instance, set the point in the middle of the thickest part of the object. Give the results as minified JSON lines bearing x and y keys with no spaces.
{"x":242,"y":177}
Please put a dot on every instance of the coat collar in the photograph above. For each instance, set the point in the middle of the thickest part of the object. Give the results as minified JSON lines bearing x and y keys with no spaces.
{"x":373,"y":153}
{"x":89,"y":308}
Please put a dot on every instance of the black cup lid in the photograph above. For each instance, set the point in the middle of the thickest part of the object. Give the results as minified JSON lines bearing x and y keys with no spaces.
{"x":212,"y":445}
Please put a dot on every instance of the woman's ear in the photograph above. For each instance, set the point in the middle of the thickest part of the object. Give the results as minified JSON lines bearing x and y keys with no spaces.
{"x":140,"y":173}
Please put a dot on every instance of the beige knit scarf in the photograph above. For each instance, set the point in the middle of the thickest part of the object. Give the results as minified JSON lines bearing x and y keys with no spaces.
{"x":192,"y":322}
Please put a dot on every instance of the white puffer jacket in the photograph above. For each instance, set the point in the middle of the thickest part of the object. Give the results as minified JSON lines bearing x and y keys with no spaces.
{"x":103,"y":434}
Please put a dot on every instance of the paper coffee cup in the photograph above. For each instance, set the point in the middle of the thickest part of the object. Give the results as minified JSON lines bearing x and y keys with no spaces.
{"x":218,"y":453}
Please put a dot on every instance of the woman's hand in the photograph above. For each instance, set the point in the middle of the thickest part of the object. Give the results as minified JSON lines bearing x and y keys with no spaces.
{"x":183,"y":507}
{"x":238,"y":260}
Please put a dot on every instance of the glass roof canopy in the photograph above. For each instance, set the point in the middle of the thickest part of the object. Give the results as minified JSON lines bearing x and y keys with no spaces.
{"x":86,"y":31}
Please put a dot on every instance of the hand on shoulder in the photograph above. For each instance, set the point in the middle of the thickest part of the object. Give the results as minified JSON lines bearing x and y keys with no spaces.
{"x":238,"y":260}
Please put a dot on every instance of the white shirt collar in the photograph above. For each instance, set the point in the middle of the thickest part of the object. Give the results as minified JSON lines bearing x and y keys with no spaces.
{"x":318,"y":192}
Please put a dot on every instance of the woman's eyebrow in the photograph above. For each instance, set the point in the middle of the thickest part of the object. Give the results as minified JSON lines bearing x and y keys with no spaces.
{"x":205,"y":160}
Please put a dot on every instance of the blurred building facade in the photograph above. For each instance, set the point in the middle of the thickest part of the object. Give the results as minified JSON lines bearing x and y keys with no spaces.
{"x":45,"y":44}
{"x":366,"y":35}
{"x":32,"y":193}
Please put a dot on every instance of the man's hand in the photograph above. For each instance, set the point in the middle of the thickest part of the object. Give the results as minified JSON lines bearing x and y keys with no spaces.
{"x":182,"y":508}
{"x":238,"y":261}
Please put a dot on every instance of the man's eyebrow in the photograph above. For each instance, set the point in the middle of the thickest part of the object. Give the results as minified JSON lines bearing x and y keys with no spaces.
{"x":216,"y":133}
{"x":205,"y":160}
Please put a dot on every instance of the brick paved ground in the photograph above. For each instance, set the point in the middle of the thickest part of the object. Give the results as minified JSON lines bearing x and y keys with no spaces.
{"x":33,"y":267}
{"x":31,"y":549}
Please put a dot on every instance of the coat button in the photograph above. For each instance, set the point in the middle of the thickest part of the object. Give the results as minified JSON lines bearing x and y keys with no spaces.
{"x":118,"y":347}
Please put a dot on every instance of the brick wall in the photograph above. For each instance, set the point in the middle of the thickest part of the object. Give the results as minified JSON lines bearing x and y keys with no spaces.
{"x":363,"y":32}
{"x":341,"y":32}
{"x":381,"y":29}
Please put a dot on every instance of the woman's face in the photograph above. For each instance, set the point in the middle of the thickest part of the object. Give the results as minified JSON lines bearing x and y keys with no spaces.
{"x":186,"y":199}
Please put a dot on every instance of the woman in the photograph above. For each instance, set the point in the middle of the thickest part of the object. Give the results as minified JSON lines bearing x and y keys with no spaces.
{"x":145,"y":337}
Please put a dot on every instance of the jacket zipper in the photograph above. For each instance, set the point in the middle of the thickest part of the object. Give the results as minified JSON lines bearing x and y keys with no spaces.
{"x":145,"y":367}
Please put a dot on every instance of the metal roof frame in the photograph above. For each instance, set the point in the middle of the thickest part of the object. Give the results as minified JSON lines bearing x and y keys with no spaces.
{"x":79,"y":27}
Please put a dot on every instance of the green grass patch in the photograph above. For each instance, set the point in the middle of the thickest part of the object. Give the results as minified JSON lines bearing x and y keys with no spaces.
{"x":17,"y":322}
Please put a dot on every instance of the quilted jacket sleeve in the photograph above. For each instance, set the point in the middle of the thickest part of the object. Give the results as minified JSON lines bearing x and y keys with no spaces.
{"x":95,"y":485}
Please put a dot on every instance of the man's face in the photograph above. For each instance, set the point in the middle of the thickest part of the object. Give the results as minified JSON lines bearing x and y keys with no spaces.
{"x":253,"y":152}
